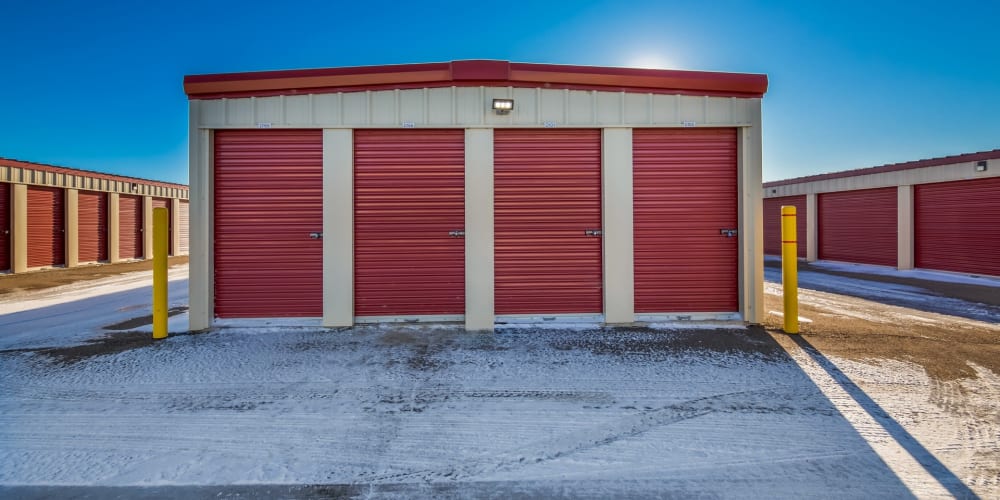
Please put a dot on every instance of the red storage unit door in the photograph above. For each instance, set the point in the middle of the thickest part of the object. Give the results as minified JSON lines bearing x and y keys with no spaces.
{"x":46,"y":230}
{"x":93,"y":226}
{"x":772,"y":223}
{"x":5,"y":229}
{"x":268,"y":201}
{"x":165,"y":203}
{"x":409,"y":194}
{"x":685,"y":192}
{"x":130,"y":220}
{"x":858,"y":226}
{"x":547,"y":197}
{"x":184,"y":229}
{"x":957,"y":226}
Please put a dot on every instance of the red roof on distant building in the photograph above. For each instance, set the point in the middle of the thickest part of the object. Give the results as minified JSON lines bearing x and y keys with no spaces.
{"x":892,"y":167}
{"x":473,"y":73}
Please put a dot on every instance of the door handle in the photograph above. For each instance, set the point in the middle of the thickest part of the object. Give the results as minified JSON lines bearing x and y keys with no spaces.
{"x":458,"y":233}
{"x":316,"y":236}
{"x":729,"y":233}
{"x":593,"y":232}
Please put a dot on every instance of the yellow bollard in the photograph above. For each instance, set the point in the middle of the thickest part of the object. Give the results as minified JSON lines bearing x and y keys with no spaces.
{"x":789,"y":270}
{"x":160,"y":241}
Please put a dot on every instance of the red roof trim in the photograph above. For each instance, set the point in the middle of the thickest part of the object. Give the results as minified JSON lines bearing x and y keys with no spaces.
{"x":9,"y":162}
{"x":473,"y":73}
{"x":892,"y":167}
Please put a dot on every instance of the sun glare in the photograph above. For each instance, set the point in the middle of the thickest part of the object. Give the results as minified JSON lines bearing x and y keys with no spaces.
{"x":650,"y":61}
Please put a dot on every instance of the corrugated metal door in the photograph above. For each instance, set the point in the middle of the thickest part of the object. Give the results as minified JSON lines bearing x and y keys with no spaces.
{"x":130,"y":220}
{"x":547,"y":204}
{"x":772,"y":223}
{"x":184,"y":231}
{"x":46,"y":230}
{"x":165,"y":203}
{"x":268,"y":204}
{"x":93,"y":226}
{"x":409,"y":195}
{"x":5,"y":228}
{"x":685,"y":194}
{"x":957,"y":226}
{"x":858,"y":226}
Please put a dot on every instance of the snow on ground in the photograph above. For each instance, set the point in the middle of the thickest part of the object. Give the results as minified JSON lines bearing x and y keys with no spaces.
{"x":922,"y":274}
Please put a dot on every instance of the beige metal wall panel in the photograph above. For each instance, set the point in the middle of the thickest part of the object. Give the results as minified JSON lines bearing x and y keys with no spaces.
{"x":479,"y":234}
{"x":812,"y":223}
{"x":72,"y":227}
{"x":268,"y":110}
{"x":297,"y":110}
{"x":750,"y":159}
{"x":147,"y":227}
{"x":943,"y":173}
{"x":617,"y":215}
{"x":338,"y":228}
{"x":609,"y":108}
{"x":471,"y":107}
{"x":638,"y":108}
{"x":114,"y":235}
{"x":200,"y":284}
{"x":19,"y":228}
{"x":383,"y":109}
{"x":440,"y":106}
{"x":326,"y":108}
{"x":904,"y":228}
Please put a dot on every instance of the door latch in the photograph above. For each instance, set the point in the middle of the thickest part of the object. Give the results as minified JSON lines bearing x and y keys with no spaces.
{"x":729,"y":233}
{"x":593,"y":232}
{"x":316,"y":236}
{"x":458,"y":233}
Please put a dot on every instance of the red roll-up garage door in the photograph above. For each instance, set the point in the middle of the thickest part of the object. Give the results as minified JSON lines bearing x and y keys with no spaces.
{"x":93,"y":226}
{"x":184,"y":231}
{"x":858,"y":226}
{"x":165,"y":203}
{"x":772,"y":223}
{"x":46,"y":230}
{"x":685,"y":193}
{"x":409,"y":195}
{"x":547,"y":204}
{"x":957,"y":226}
{"x":5,"y":198}
{"x":268,"y":202}
{"x":130,"y":221}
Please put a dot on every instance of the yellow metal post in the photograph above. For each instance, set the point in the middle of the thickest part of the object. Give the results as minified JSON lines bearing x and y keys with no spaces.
{"x":789,"y":269}
{"x":160,"y":242}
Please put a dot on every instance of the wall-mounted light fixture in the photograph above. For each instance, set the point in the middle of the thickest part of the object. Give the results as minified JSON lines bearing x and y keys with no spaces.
{"x":981,"y":166}
{"x":135,"y":187}
{"x":503,"y":106}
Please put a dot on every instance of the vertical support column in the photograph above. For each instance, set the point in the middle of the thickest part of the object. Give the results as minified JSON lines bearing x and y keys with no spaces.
{"x":147,"y":227}
{"x":200,"y":281}
{"x":72,"y":227}
{"x":479,"y":237}
{"x":904,"y":225}
{"x":175,"y":223}
{"x":19,"y":228}
{"x":114,"y":233}
{"x":751,"y":216}
{"x":617,"y":226}
{"x":338,"y":227}
{"x":812,"y":225}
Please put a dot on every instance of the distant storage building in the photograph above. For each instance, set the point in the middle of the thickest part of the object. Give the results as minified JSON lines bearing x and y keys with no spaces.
{"x":941,"y":214}
{"x":476,"y":191}
{"x":62,"y":217}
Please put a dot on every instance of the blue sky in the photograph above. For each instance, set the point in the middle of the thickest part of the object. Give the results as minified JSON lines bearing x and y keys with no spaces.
{"x":97,"y":85}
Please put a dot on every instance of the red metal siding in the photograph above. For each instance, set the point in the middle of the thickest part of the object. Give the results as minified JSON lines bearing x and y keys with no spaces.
{"x":93,"y":226}
{"x":858,"y":226}
{"x":957,"y":226}
{"x":268,"y":199}
{"x":409,"y":193}
{"x":184,"y":231}
{"x":165,"y":203}
{"x":5,"y":224}
{"x":130,"y":220}
{"x":547,"y":195}
{"x":46,"y":230}
{"x":685,"y":192}
{"x":772,"y":223}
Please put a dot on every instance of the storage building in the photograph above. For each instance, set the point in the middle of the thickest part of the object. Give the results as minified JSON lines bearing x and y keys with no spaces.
{"x":941,"y":214}
{"x":62,"y":217}
{"x":475,"y":191}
